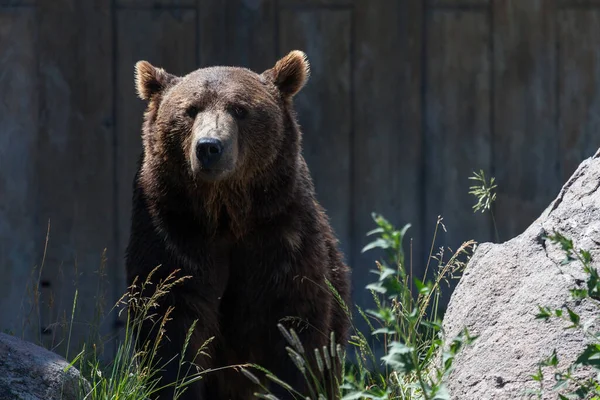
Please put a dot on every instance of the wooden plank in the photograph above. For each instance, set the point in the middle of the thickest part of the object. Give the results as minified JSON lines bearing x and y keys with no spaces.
{"x":165,"y":40}
{"x":387,"y":130}
{"x":75,"y":158}
{"x":251,"y":33}
{"x":579,"y":85}
{"x":213,"y":38}
{"x":324,"y":106}
{"x":331,"y":4}
{"x":238,"y":32}
{"x":16,"y":4}
{"x":157,"y":4}
{"x":525,"y":137}
{"x":580,"y":4}
{"x":457,"y":123}
{"x":464,"y":5}
{"x":19,"y":248}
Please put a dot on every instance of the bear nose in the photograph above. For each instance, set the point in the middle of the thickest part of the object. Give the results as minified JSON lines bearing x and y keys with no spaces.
{"x":209,"y":151}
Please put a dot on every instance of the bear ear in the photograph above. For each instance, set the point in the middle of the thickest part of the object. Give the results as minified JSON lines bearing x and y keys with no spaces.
{"x":290,"y":73}
{"x":150,"y":80}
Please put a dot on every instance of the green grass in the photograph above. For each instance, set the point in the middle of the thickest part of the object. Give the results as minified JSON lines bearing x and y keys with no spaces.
{"x":133,"y":373}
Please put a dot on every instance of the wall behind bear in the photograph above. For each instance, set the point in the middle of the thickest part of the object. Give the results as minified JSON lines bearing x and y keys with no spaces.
{"x":406,"y":99}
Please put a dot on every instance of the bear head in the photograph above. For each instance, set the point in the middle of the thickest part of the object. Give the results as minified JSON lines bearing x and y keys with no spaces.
{"x":218,"y":123}
{"x":221,"y":138}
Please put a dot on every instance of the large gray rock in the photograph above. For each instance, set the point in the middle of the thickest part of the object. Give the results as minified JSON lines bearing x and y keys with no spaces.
{"x":502,"y":285}
{"x":30,"y":372}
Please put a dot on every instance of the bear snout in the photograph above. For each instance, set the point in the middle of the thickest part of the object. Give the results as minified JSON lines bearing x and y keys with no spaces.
{"x":208,"y":152}
{"x":213,"y":155}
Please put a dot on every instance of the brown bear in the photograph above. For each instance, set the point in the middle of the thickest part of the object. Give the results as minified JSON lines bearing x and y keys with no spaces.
{"x":224,"y":194}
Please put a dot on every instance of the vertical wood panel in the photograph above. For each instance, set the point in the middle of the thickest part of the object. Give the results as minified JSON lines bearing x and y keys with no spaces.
{"x":251,"y":33}
{"x":579,"y":87}
{"x":6,"y":4}
{"x":525,"y":139}
{"x":18,"y":129}
{"x":237,"y":32}
{"x":581,"y":4}
{"x":324,"y":108}
{"x":459,"y":4}
{"x":387,"y":118}
{"x":317,"y":3}
{"x":165,"y":38}
{"x":458,"y":135}
{"x":75,"y":155}
{"x":214,"y":46}
{"x":156,"y":4}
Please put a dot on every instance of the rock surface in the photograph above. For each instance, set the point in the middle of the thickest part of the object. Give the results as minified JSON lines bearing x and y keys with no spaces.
{"x":502,"y":286}
{"x":30,"y":372}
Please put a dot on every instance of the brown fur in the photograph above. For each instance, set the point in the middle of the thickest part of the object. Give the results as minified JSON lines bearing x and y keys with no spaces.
{"x":251,"y":232}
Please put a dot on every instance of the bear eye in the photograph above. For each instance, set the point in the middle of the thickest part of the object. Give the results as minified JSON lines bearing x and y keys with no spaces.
{"x":240,"y":112}
{"x":192,"y":111}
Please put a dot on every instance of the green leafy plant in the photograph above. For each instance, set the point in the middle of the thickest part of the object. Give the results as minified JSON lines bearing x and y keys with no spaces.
{"x":406,"y":322}
{"x":485,"y":192}
{"x":566,"y":379}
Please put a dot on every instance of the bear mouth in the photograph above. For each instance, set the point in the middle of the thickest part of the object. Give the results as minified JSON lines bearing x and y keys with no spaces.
{"x":211,"y":174}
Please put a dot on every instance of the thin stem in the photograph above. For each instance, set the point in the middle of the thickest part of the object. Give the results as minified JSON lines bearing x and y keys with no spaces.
{"x":495,"y":226}
{"x":431,"y":249}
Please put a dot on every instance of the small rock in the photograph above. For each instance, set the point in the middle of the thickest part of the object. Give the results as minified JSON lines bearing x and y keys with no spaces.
{"x":500,"y":382}
{"x":30,"y":372}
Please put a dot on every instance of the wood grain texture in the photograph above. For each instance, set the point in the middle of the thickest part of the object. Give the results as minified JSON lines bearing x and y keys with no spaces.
{"x":74,"y":163}
{"x":324,"y":107}
{"x":526,"y":141}
{"x":6,"y":4}
{"x":464,"y":5}
{"x":332,"y":4}
{"x":157,"y":4}
{"x":387,"y":129}
{"x":580,"y":4}
{"x":578,"y":88}
{"x":165,"y":38}
{"x":458,"y":134}
{"x":238,"y":32}
{"x":19,"y":245}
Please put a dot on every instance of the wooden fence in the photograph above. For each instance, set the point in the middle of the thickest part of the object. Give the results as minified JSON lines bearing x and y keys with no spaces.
{"x":406,"y":99}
